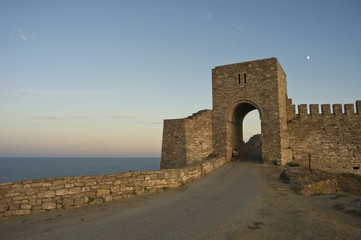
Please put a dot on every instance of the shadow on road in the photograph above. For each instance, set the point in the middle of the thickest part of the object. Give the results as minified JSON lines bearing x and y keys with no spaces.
{"x":255,"y":157}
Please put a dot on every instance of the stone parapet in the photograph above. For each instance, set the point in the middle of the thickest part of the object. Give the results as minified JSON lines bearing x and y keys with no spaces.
{"x":313,"y":110}
{"x":41,"y":195}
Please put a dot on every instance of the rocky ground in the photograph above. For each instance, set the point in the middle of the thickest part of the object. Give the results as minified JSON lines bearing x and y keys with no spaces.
{"x":283,"y":214}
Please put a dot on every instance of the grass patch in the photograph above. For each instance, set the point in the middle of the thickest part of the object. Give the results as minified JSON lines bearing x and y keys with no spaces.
{"x":90,"y":199}
{"x":134,"y":192}
{"x":296,"y":188}
{"x":292,"y":164}
{"x":146,"y":189}
{"x":164,"y":188}
{"x":351,"y":175}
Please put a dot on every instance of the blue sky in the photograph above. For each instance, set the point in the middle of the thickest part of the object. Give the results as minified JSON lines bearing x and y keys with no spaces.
{"x":97,"y":78}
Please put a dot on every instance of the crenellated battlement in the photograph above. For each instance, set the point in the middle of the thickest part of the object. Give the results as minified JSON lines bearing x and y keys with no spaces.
{"x":313,"y":110}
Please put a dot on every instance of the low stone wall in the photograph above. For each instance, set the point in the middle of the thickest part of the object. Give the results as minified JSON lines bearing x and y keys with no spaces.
{"x":35,"y":196}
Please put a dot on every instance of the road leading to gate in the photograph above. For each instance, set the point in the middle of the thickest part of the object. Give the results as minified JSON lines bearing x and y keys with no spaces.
{"x":191,"y":212}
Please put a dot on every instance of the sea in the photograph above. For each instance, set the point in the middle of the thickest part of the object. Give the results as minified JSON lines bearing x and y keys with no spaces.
{"x":17,"y":169}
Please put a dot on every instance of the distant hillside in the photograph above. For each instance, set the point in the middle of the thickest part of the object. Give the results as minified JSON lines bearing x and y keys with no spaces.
{"x":253,"y":144}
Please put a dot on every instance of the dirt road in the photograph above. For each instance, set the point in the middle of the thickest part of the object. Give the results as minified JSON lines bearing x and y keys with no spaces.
{"x":235,"y":202}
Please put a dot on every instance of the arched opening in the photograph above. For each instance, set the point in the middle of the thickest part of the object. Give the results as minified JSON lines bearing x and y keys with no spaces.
{"x":244,"y":121}
{"x":251,"y":125}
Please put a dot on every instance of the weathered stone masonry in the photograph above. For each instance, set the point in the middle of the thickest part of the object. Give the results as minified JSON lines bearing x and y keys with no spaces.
{"x":35,"y":196}
{"x":328,"y":140}
{"x":187,"y":140}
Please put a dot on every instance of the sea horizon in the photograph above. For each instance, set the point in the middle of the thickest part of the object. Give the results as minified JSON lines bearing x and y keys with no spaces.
{"x":13,"y":169}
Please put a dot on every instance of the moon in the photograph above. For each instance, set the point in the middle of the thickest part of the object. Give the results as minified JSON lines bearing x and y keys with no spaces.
{"x":308,"y":57}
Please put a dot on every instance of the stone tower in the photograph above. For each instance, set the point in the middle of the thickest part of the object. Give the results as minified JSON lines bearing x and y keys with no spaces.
{"x":237,"y":90}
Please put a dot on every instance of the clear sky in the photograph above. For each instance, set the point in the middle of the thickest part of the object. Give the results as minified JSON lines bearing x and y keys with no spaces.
{"x":97,"y":78}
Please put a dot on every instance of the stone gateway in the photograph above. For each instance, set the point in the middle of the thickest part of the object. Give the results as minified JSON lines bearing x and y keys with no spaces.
{"x":327,"y":140}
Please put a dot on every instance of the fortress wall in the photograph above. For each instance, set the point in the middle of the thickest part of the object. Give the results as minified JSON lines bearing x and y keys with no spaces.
{"x":36,"y":196}
{"x":174,"y":153}
{"x":187,"y":140}
{"x":327,"y":140}
{"x":199,"y":136}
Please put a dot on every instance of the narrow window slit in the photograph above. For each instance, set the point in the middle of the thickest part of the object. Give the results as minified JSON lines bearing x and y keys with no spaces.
{"x":239,"y":79}
{"x":245,"y":78}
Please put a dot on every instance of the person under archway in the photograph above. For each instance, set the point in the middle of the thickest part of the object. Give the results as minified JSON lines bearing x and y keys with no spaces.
{"x":235,"y":155}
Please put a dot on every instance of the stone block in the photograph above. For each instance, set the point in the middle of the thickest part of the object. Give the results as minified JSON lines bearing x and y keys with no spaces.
{"x":74,"y":190}
{"x":25,"y":207}
{"x":3,"y":192}
{"x":11,"y":195}
{"x":3,"y":207}
{"x":79,"y":202}
{"x":19,"y":198}
{"x":56,"y":187}
{"x":314,"y":110}
{"x":47,"y":184}
{"x":47,"y":194}
{"x":86,"y":189}
{"x":46,"y":200}
{"x":62,"y":192}
{"x":35,"y":202}
{"x":13,"y":206}
{"x":326,"y":109}
{"x":67,"y":202}
{"x":349,"y":110}
{"x":117,"y":182}
{"x":30,"y":191}
{"x":108,"y":198}
{"x":337,"y":109}
{"x":101,"y":192}
{"x":35,"y":208}
{"x":60,"y":182}
{"x":115,"y":189}
{"x":48,"y":206}
{"x":36,"y":185}
{"x":79,"y":184}
{"x":69,"y":185}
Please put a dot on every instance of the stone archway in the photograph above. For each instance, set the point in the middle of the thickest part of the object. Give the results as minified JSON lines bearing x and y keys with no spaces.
{"x":241,"y":87}
{"x":236,"y":116}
